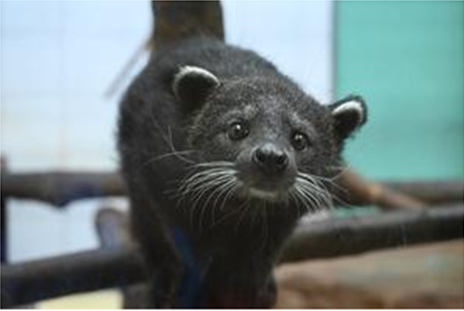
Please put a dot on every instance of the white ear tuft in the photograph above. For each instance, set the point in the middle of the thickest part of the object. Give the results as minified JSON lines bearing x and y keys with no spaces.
{"x":193,"y":72}
{"x":349,"y":114}
{"x":352,"y":105}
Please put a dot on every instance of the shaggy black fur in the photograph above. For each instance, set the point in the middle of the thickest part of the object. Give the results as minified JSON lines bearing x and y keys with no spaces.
{"x":210,"y":250}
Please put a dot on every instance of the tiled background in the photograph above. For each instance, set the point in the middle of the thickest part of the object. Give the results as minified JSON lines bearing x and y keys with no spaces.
{"x":58,"y":58}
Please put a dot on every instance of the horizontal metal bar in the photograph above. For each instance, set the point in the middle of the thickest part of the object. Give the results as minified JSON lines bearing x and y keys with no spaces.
{"x":37,"y":280}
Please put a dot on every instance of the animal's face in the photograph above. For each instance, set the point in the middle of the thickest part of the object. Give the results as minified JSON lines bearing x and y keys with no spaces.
{"x":263,"y":138}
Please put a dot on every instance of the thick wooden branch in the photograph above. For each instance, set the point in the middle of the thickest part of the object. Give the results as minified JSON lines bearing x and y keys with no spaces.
{"x":76,"y":273}
{"x":37,"y":280}
{"x":61,"y":188}
{"x":3,"y":219}
{"x":360,"y":191}
{"x":359,"y":234}
{"x":432,"y":192}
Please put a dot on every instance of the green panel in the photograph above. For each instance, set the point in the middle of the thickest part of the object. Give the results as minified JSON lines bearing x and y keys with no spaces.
{"x":407,"y":60}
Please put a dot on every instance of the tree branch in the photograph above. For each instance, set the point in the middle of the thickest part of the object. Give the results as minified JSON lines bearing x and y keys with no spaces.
{"x":37,"y":280}
{"x":61,"y":188}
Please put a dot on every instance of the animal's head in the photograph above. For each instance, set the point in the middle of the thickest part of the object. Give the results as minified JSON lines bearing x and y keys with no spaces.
{"x":263,"y":137}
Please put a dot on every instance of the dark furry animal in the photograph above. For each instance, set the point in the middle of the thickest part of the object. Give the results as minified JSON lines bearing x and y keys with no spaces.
{"x":222,"y":154}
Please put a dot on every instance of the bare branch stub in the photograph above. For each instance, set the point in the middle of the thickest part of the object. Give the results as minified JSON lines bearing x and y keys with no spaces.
{"x":175,"y":20}
{"x":113,"y":228}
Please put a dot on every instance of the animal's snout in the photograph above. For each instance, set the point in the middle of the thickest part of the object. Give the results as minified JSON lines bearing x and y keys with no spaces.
{"x":270,"y":158}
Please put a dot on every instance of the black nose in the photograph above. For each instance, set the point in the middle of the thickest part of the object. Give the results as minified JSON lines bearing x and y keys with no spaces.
{"x":270,"y":158}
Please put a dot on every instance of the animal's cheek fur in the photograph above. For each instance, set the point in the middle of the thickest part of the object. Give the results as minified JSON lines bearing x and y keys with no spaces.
{"x":213,"y":146}
{"x":314,"y":160}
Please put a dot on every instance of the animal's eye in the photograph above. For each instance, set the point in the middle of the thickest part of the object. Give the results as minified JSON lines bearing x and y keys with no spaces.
{"x":299,"y":141}
{"x":238,"y":131}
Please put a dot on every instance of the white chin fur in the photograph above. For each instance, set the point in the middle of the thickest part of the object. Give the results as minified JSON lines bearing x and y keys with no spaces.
{"x":261,"y":194}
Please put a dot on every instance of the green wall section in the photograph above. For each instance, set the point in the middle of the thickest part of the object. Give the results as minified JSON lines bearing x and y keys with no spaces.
{"x":407,"y":60}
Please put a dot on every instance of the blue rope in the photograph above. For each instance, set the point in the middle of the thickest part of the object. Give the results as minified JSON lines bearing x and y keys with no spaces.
{"x":189,"y":295}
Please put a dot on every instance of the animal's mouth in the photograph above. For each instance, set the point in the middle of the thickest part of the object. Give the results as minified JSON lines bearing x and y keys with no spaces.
{"x":303,"y":189}
{"x":268,"y":190}
{"x":219,"y":182}
{"x":264,"y":194}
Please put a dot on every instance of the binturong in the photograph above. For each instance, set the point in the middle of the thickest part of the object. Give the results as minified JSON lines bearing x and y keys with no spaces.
{"x":222,"y":154}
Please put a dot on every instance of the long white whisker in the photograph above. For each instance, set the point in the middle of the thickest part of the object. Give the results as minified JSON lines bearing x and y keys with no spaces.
{"x":168,"y":139}
{"x":166,"y":155}
{"x":199,"y":179}
{"x":202,"y":176}
{"x":308,"y":203}
{"x":318,"y":202}
{"x":220,"y":164}
{"x":222,"y":192}
{"x":218,"y":188}
{"x":296,"y":199}
{"x":213,"y":181}
{"x":224,"y":189}
{"x":227,"y":195}
{"x":317,"y":186}
{"x":313,"y":191}
{"x":206,"y":185}
{"x":334,"y":184}
{"x":331,"y":181}
{"x":234,"y":211}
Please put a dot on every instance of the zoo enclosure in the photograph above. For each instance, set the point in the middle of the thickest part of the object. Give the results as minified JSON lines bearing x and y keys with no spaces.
{"x":118,"y":265}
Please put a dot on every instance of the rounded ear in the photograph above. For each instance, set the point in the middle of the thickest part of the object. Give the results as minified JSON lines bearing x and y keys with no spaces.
{"x":193,"y":84}
{"x":349,"y":115}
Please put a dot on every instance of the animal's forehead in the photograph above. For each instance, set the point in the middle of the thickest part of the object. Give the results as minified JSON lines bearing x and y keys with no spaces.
{"x":268,"y":104}
{"x":272,"y":112}
{"x":252,"y":87}
{"x":268,"y":100}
